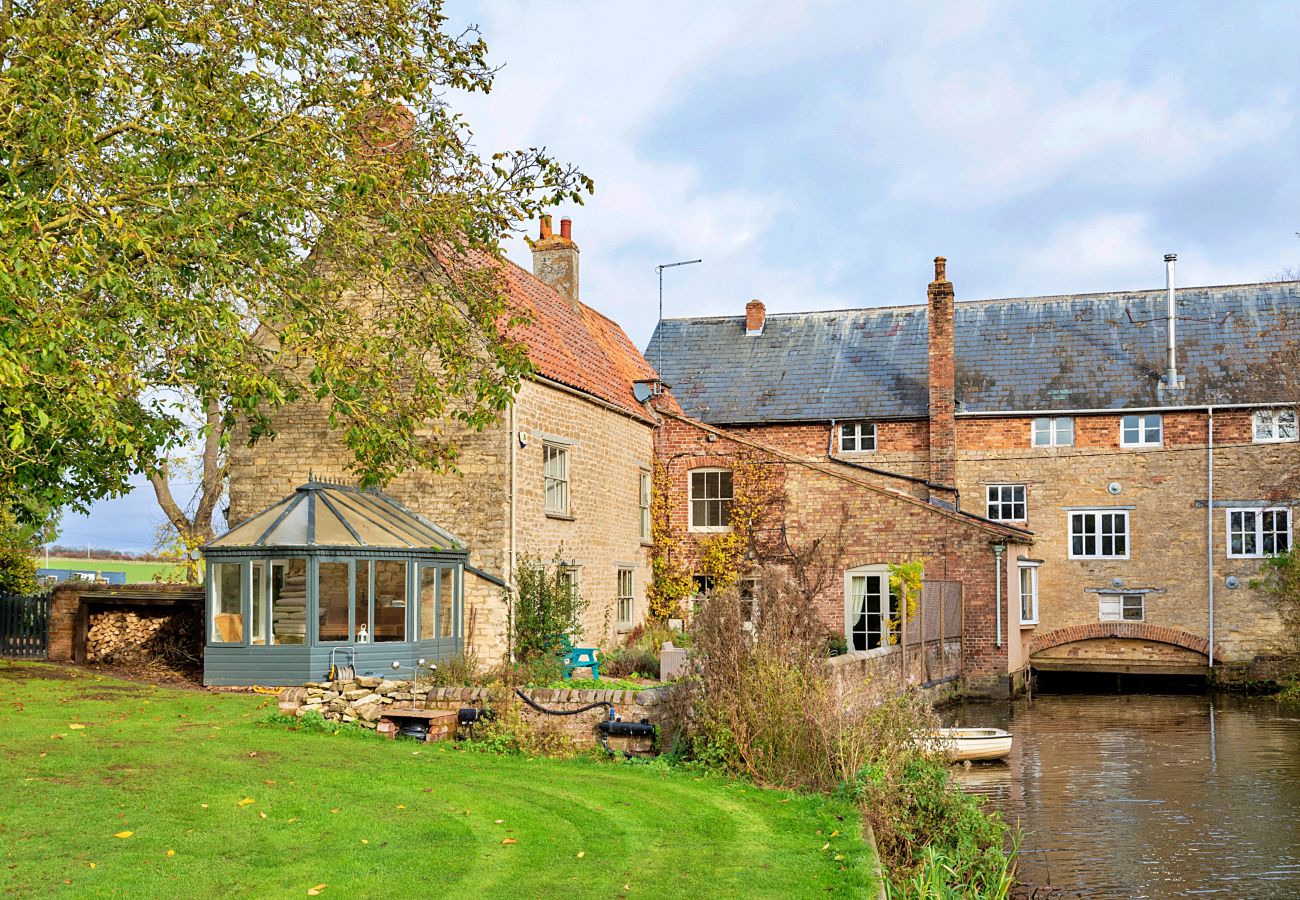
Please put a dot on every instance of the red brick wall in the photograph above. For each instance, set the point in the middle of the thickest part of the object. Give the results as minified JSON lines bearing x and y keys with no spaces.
{"x":880,"y":528}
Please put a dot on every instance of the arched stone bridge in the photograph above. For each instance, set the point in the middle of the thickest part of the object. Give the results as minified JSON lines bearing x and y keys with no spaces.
{"x":1121,"y":647}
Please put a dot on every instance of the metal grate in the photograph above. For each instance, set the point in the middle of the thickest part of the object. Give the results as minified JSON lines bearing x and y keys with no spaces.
{"x":24,"y":625}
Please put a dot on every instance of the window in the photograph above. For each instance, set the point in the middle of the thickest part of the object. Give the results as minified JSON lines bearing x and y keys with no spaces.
{"x":390,"y":601}
{"x":288,"y":596}
{"x":332,"y":580}
{"x":568,"y":577}
{"x":1006,"y":502}
{"x":711,"y":500}
{"x":624,"y":611}
{"x":1099,"y":534}
{"x":702,"y":585}
{"x":1028,"y":593}
{"x":361,"y":586}
{"x":1258,"y":532}
{"x":1141,"y":431}
{"x":555,"y":463}
{"x":1121,"y":608}
{"x":871,"y":614}
{"x":1054,"y":432}
{"x":1274,"y":426}
{"x":856,"y":436}
{"x":645,"y":506}
{"x":227,"y":603}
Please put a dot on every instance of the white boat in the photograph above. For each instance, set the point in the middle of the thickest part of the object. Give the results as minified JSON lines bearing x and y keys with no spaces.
{"x":973,"y":743}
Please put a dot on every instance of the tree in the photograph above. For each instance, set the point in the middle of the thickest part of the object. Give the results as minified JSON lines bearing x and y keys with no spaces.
{"x":168,"y":166}
{"x":17,"y":563}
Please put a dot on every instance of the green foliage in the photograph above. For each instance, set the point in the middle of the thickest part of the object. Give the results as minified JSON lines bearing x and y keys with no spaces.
{"x":167,"y":168}
{"x":460,"y":671}
{"x":17,"y":564}
{"x":932,"y":836}
{"x":1279,"y":579}
{"x":545,"y":608}
{"x":836,"y":644}
{"x":1289,"y":692}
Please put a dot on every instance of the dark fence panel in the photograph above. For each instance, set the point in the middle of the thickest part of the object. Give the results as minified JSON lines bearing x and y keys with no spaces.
{"x":935,"y":630}
{"x":24,"y":625}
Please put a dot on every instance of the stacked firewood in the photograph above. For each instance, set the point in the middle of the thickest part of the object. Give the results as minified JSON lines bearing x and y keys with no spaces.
{"x":119,"y":635}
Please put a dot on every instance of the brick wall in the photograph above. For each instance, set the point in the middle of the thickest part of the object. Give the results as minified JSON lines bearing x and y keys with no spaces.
{"x":877,"y":528}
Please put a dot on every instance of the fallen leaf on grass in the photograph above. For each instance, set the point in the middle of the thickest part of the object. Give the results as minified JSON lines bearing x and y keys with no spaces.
{"x":509,"y":841}
{"x":826,"y":846}
{"x":499,"y":821}
{"x":75,"y":725}
{"x":364,"y":841}
{"x":269,"y":781}
{"x":262,"y":814}
{"x":835,"y":833}
{"x":246,"y":801}
{"x":204,"y":805}
{"x":312,"y":892}
{"x":581,"y":854}
{"x":171,"y":852}
{"x":401,"y":806}
{"x":334,"y":810}
{"x":839,"y":857}
{"x":124,"y":834}
{"x":91,"y":865}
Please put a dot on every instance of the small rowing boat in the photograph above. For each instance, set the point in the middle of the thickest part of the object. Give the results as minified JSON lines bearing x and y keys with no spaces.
{"x":973,"y":743}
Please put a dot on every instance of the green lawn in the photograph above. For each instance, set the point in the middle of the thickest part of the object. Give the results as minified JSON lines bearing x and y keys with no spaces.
{"x":136,"y":572}
{"x":365,"y":816}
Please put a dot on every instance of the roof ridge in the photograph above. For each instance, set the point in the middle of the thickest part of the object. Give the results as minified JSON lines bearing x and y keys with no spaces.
{"x":1094,"y":295}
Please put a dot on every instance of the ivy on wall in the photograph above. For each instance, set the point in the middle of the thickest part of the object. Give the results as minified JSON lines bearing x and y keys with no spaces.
{"x":670,"y":579}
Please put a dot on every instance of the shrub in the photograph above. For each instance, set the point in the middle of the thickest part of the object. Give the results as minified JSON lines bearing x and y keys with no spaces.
{"x":545,"y":606}
{"x":459,"y":671}
{"x":625,"y":662}
{"x":17,"y":564}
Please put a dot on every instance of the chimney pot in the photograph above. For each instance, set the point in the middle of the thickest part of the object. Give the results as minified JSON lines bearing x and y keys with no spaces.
{"x":940,"y":268}
{"x":755,"y":314}
{"x":546,"y":226}
{"x":566,"y":228}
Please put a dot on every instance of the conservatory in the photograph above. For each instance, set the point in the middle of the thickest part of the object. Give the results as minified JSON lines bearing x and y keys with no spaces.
{"x":331,"y":575}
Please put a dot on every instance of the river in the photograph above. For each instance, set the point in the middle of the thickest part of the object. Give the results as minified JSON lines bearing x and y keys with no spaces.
{"x":1148,"y":795}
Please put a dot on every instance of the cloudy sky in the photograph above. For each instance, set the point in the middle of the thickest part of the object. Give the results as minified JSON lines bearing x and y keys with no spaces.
{"x":817,"y":155}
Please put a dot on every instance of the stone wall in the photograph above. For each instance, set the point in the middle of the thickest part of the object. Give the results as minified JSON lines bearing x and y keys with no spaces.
{"x":608,"y":451}
{"x":365,"y":700}
{"x":1164,"y":490}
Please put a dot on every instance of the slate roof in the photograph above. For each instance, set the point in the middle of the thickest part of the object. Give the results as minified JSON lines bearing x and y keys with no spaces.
{"x":1236,"y":344}
{"x":578,"y":348}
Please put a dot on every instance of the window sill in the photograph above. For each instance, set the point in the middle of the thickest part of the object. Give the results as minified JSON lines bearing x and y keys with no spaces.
{"x":645,"y":543}
{"x":1141,"y":446}
{"x":709,"y":529}
{"x":1024,"y":625}
{"x":563,"y":517}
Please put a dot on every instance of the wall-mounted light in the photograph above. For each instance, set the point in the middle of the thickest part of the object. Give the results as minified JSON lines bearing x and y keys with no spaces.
{"x":523,"y":438}
{"x":1114,"y":487}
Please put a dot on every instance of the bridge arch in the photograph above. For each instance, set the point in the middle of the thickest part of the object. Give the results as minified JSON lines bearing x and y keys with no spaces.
{"x":1140,"y":631}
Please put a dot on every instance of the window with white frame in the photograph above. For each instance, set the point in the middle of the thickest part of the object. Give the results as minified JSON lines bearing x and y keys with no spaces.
{"x":1275,"y":426}
{"x":1121,"y":608}
{"x":1141,"y":431}
{"x":555,"y":464}
{"x":1053,"y":431}
{"x":856,"y":436}
{"x":1006,"y":502}
{"x":624,"y":611}
{"x":645,"y":505}
{"x":1099,"y":534}
{"x":711,"y":496}
{"x":872,"y":617}
{"x":1258,"y":532}
{"x":1028,"y":592}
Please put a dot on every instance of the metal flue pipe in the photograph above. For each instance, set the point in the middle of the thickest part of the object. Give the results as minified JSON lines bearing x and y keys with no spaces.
{"x":1170,"y":259}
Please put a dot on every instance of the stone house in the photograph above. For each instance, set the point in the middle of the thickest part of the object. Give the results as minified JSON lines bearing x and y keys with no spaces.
{"x":566,"y":470}
{"x":1146,"y":439}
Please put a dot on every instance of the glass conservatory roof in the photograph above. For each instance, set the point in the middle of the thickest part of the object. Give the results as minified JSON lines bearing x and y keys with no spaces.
{"x":324,"y":515}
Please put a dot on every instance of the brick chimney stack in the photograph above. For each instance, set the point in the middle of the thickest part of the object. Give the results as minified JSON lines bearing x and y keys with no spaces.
{"x":943,"y":391}
{"x":555,"y":259}
{"x":755,"y":314}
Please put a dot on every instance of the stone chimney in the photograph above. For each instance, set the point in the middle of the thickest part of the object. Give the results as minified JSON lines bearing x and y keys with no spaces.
{"x":555,"y":259}
{"x":943,"y":424}
{"x":755,"y":313}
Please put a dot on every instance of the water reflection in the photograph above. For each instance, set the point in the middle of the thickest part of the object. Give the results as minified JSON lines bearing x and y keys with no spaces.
{"x":1149,"y":795}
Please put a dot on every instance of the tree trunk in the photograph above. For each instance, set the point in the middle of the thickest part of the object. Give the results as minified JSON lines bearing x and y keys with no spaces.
{"x":195,"y":529}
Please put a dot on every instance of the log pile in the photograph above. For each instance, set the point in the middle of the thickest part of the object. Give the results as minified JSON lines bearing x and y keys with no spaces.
{"x":124,"y":635}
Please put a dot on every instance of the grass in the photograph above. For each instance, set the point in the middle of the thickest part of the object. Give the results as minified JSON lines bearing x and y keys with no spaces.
{"x":219,"y":803}
{"x":136,"y":572}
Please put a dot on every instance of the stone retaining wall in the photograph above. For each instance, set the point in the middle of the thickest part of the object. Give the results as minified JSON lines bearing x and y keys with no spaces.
{"x":364,"y":700}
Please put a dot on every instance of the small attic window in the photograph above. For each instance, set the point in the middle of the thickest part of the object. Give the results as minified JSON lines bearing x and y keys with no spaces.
{"x":857,"y":437}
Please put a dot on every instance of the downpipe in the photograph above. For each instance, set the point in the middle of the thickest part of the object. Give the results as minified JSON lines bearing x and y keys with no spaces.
{"x":997,"y":580}
{"x":1209,"y":523}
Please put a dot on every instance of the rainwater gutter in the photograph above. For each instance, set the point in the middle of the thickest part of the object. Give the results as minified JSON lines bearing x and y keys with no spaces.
{"x":1116,"y":410}
{"x":1209,"y":524}
{"x":997,"y":556}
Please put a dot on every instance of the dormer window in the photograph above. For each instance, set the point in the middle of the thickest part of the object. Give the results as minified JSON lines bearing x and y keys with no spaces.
{"x":856,"y":437}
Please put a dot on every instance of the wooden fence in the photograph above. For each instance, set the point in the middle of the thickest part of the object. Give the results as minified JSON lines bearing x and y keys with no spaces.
{"x":24,"y":625}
